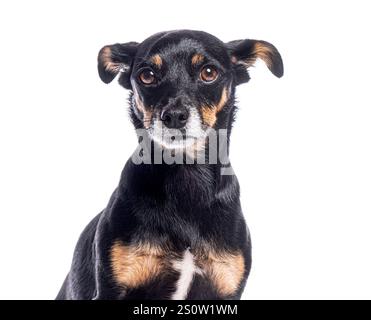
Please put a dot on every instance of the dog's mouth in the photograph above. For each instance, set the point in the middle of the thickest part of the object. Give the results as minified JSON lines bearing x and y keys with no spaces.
{"x":192,"y":134}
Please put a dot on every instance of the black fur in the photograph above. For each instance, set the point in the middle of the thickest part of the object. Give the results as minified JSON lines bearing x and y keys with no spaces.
{"x":176,"y":206}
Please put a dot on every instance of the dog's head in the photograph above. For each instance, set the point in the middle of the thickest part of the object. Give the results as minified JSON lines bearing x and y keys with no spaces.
{"x":183,"y":80}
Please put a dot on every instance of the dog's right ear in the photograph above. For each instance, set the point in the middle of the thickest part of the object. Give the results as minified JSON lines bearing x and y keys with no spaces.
{"x":116,"y":58}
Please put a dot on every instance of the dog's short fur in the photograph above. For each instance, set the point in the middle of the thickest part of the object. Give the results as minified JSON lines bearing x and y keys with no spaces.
{"x":172,"y":231}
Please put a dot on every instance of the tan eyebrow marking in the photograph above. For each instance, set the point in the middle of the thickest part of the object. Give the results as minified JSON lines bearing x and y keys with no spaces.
{"x":197,"y":58}
{"x":157,"y":60}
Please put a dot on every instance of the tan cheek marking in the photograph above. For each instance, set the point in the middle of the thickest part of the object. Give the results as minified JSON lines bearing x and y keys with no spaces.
{"x":157,"y":60}
{"x":225,"y":270}
{"x":209,"y":113}
{"x":208,"y":116}
{"x":222,"y":101}
{"x":147,"y":114}
{"x":147,"y":118}
{"x":133,"y":266}
{"x":197,"y":58}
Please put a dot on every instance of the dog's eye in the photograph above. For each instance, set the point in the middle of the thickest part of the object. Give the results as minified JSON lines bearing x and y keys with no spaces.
{"x":208,"y":74}
{"x":147,"y":76}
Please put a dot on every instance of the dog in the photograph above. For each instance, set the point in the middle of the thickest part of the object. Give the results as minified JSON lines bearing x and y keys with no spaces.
{"x":172,"y":230}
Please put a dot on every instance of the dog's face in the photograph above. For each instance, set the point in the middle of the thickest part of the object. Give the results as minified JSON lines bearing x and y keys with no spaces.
{"x":183,"y":81}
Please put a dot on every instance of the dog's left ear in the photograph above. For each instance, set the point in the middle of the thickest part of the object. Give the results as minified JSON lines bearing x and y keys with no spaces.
{"x":116,"y":58}
{"x":244,"y":53}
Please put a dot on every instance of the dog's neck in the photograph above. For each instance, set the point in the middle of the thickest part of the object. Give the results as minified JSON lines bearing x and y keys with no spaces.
{"x":181,"y":184}
{"x":185,"y":184}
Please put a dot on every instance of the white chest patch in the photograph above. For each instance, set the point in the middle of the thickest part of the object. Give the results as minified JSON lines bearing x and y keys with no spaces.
{"x":187,"y":270}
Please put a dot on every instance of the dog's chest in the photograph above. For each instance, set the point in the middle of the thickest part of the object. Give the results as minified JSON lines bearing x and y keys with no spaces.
{"x":142,"y":265}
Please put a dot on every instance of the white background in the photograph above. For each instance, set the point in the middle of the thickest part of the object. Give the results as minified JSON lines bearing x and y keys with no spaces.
{"x":300,"y":145}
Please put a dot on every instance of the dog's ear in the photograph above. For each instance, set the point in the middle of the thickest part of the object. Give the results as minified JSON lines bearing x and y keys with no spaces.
{"x":244,"y":53}
{"x":116,"y":58}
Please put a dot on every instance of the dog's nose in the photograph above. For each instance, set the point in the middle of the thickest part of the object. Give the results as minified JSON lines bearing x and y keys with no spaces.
{"x":175,"y":118}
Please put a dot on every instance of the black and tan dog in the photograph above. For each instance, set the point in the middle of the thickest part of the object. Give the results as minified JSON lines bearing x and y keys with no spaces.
{"x":172,"y":231}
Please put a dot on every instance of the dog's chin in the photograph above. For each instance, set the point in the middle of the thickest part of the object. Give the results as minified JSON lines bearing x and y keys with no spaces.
{"x":185,"y":142}
{"x":178,"y":144}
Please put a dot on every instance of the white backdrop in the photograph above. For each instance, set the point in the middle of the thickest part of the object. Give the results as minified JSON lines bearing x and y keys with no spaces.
{"x":300,"y":145}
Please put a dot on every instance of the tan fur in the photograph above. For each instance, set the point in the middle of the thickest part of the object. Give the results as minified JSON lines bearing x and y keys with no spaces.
{"x":106,"y":60}
{"x":136,"y":265}
{"x":225,"y":270}
{"x":263,"y":52}
{"x":260,"y":50}
{"x":157,"y":60}
{"x":147,"y":118}
{"x":147,"y":112}
{"x":209,"y":114}
{"x":197,"y":58}
{"x":133,"y":266}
